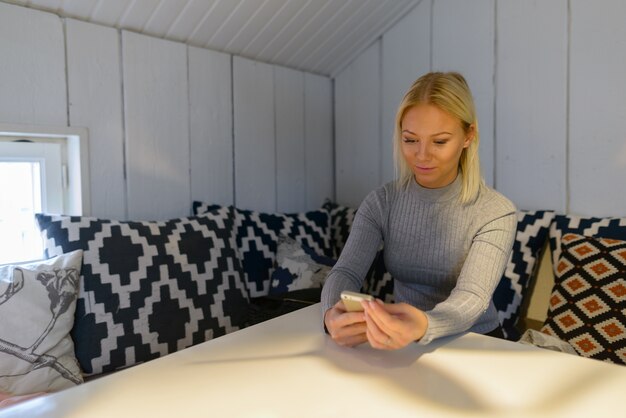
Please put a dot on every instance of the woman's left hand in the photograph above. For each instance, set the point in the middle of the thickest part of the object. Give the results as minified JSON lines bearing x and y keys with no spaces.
{"x":393,"y":326}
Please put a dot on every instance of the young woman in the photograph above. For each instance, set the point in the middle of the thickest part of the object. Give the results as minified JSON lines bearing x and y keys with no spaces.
{"x":447,"y":236}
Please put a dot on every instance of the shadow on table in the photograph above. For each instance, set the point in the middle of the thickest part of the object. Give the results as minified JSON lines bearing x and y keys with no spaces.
{"x":424,"y":384}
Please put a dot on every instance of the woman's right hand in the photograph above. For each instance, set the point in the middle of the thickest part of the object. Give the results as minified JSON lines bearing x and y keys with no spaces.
{"x":345,"y":328}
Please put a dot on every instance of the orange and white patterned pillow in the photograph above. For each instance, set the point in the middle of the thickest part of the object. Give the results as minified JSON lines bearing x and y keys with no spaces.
{"x":588,"y":301}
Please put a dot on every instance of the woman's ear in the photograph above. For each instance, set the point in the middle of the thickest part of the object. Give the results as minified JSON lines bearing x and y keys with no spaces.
{"x":469,"y":135}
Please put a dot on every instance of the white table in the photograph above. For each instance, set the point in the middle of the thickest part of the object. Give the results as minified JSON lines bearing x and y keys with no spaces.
{"x":287,"y":367}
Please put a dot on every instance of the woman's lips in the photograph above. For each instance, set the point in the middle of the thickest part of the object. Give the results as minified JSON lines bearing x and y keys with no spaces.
{"x":425,"y":169}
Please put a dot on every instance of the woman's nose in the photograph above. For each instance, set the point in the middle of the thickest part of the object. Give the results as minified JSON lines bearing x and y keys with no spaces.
{"x":423,"y":151}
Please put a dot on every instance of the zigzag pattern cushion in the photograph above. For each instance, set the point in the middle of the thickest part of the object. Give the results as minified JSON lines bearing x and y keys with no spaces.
{"x":257,"y":234}
{"x":530,"y":238}
{"x":341,"y":218}
{"x":379,"y":282}
{"x":149,"y":288}
{"x":591,"y":227}
{"x":588,"y":301}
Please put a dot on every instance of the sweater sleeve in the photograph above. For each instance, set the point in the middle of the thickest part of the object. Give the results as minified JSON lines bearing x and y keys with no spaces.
{"x":359,"y":251}
{"x":481,"y":271}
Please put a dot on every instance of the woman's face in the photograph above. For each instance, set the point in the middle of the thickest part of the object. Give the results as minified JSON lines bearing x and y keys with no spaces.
{"x":432,"y":141}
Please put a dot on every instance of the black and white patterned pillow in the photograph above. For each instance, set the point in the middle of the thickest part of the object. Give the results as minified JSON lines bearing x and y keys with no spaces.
{"x":257,"y":234}
{"x":530,"y":240}
{"x":379,"y":282}
{"x":341,"y":218}
{"x":614,"y":228}
{"x":149,"y":288}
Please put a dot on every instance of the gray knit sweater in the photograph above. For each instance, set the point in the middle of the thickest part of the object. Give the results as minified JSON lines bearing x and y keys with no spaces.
{"x":446,"y":258}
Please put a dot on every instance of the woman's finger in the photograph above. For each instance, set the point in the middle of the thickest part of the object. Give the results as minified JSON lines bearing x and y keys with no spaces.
{"x":378,"y":336}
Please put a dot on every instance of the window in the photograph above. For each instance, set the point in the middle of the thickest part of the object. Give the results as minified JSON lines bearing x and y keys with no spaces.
{"x":41,"y":170}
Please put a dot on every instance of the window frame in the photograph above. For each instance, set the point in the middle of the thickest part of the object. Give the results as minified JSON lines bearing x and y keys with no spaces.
{"x":76,"y":143}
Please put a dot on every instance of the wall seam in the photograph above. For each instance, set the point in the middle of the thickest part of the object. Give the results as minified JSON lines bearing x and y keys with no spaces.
{"x":304,"y":137}
{"x":67,"y":71}
{"x":567,"y":108}
{"x":232,"y":125}
{"x":275,"y":139}
{"x":380,"y":111}
{"x":495,"y":94}
{"x":431,"y":41}
{"x":334,"y":138}
{"x":124,"y":134}
{"x":189,"y":142}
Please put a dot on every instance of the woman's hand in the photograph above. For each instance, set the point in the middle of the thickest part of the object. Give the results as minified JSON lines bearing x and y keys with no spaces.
{"x":345,"y":328}
{"x":393,"y":326}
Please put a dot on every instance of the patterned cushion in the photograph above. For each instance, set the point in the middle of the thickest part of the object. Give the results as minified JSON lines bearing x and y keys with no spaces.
{"x":591,"y":227}
{"x":149,"y":288}
{"x":298,"y":267}
{"x":588,"y":302}
{"x":37,"y":304}
{"x":341,"y":218}
{"x":379,"y":282}
{"x":530,"y":239}
{"x":257,"y":237}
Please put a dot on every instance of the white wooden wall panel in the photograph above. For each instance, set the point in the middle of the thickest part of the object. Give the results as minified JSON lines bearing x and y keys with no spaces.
{"x":463,"y":40}
{"x":255,"y":146}
{"x":32,"y":67}
{"x":318,"y":136}
{"x":357,"y":128}
{"x":531,"y":88}
{"x":405,"y":57}
{"x":597,"y":144}
{"x":290,"y":158}
{"x":210,"y":129}
{"x":157,"y":127}
{"x":95,"y":96}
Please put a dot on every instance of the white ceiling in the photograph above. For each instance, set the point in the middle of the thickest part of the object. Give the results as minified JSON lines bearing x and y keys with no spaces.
{"x":320,"y":36}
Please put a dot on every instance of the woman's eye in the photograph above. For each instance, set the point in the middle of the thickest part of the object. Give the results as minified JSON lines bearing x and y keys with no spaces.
{"x":409,"y":140}
{"x":441,"y":141}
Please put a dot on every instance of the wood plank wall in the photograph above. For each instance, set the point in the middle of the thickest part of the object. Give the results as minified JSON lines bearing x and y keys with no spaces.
{"x":549,"y":88}
{"x":168,"y":123}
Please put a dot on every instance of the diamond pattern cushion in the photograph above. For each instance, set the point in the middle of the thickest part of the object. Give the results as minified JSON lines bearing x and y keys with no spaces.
{"x":257,"y":237}
{"x":591,"y":227}
{"x":530,"y":239}
{"x":149,"y":288}
{"x":588,"y":301}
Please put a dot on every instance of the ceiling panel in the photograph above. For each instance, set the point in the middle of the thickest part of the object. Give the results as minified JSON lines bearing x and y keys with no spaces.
{"x":320,"y":36}
{"x":107,"y":12}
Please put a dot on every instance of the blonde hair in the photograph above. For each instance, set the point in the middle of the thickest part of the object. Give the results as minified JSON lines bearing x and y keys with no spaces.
{"x":450,"y":93}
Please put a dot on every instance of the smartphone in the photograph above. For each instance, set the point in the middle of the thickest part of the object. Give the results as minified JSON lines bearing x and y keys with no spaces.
{"x":352,"y":300}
